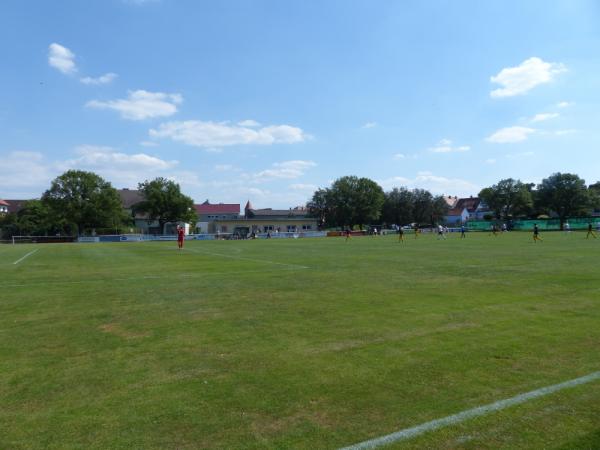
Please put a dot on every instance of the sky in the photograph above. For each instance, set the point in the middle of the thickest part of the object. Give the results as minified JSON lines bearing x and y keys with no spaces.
{"x":268,"y":100}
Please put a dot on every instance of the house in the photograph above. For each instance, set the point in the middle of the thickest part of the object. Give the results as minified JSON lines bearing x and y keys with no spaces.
{"x":4,"y":207}
{"x":476,"y":208}
{"x":456,"y":216}
{"x":208,"y":213}
{"x":14,"y":206}
{"x":266,"y":220}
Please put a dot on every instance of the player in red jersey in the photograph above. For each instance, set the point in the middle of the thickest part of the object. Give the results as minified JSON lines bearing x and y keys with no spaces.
{"x":180,"y":236}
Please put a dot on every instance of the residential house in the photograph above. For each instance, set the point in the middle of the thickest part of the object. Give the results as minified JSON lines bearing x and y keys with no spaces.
{"x":456,"y":216}
{"x":4,"y":207}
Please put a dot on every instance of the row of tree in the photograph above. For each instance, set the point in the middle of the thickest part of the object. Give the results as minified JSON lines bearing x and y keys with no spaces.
{"x":79,"y":201}
{"x":353,"y":201}
{"x":562,"y":194}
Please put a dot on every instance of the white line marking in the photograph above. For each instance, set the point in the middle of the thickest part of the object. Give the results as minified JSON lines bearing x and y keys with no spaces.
{"x":295,"y":266}
{"x":471,"y":413}
{"x":28,"y":254}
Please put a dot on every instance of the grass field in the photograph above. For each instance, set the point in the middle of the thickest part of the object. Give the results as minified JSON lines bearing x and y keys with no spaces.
{"x":307,"y":343}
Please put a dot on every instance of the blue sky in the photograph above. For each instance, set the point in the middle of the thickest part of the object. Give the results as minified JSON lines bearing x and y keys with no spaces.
{"x":268,"y":100}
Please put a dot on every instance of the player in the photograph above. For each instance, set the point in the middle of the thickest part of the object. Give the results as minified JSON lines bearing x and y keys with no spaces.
{"x":348,"y":234}
{"x":441,"y":234}
{"x":590,"y":232}
{"x":463,"y":232}
{"x":536,"y":233}
{"x":400,"y":234}
{"x":180,"y":236}
{"x":567,"y":228}
{"x":417,"y":231}
{"x":494,"y":230}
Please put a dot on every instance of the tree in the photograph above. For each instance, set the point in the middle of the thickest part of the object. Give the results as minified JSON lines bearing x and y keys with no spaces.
{"x":594,"y":193}
{"x":351,"y":201}
{"x":564,"y":193}
{"x":79,"y":200}
{"x":508,"y":198}
{"x":422,"y":206}
{"x":317,"y":206}
{"x":398,"y":206}
{"x":439,"y":208}
{"x":164,"y":202}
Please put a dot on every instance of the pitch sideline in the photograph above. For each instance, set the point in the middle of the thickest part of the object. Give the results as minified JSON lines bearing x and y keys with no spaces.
{"x":409,"y":433}
{"x":23,"y":257}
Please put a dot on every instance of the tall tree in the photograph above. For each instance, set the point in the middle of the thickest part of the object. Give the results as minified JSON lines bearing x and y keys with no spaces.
{"x":508,"y":198}
{"x":317,"y":206}
{"x":422,"y":206}
{"x":164,"y":202}
{"x":564,"y":193}
{"x":398,"y":206}
{"x":353,"y":201}
{"x":79,"y":200}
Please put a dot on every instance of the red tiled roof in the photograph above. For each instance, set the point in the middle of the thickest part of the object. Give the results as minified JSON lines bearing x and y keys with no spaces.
{"x":220,"y":208}
{"x":3,"y":203}
{"x":470,"y":203}
{"x":455,"y":212}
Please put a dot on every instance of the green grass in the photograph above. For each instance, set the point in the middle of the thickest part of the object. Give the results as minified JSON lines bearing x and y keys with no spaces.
{"x":233,"y":344}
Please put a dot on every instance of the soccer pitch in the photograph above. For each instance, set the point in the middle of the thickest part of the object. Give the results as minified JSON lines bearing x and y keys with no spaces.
{"x":307,"y":343}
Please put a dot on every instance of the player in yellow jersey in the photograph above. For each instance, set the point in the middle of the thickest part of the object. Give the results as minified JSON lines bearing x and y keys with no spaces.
{"x":590,"y":232}
{"x":536,"y":234}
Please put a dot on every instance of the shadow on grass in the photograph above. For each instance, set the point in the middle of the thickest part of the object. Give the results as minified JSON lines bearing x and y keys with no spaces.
{"x":590,"y":441}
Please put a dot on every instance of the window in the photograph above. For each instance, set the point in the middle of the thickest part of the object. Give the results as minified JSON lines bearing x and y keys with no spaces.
{"x":307,"y":227}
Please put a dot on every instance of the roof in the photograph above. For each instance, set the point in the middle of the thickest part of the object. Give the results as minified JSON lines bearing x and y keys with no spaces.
{"x":14,"y":206}
{"x":3,"y":203}
{"x":451,"y":201}
{"x":248,"y":206}
{"x":129,"y":197}
{"x":279,"y":212}
{"x":470,"y":203}
{"x":219,"y":208}
{"x":455,"y":212}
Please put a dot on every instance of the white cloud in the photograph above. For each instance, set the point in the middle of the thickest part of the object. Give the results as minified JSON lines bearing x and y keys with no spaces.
{"x":220,"y":134}
{"x":564,"y":132}
{"x":141,"y":105}
{"x":149,"y":144}
{"x":445,"y":146}
{"x":249,"y":123}
{"x":524,"y":77}
{"x":399,"y":156}
{"x":510,"y":135}
{"x":99,"y":156}
{"x":435,"y":184}
{"x":121,"y":169}
{"x":303,"y":187}
{"x":564,"y":104}
{"x":490,"y":161}
{"x":544,"y":116}
{"x":28,"y":177}
{"x":103,"y":79}
{"x":61,"y":58}
{"x":286,"y":169}
{"x":369,"y":125}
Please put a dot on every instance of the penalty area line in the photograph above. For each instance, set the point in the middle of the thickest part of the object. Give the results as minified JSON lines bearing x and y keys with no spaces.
{"x":409,"y":433}
{"x":23,"y":257}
